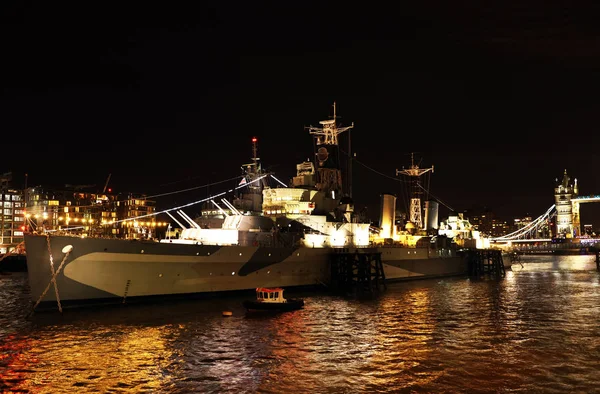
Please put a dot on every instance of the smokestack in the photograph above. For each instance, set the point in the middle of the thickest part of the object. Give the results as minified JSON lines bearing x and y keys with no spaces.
{"x":431,"y":215}
{"x":388,"y":214}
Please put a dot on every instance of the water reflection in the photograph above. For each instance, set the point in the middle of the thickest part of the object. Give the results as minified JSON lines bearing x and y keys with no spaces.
{"x":532,"y":331}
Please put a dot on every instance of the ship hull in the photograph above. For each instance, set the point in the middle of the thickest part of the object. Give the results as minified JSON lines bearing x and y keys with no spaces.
{"x":96,"y":269}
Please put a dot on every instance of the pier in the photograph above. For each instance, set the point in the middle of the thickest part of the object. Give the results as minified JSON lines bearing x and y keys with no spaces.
{"x":485,"y":262}
{"x":596,"y":250}
{"x":358,"y":271}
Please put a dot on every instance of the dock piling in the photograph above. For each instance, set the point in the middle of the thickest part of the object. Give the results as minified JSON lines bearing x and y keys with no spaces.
{"x":485,"y":262}
{"x":359,"y":271}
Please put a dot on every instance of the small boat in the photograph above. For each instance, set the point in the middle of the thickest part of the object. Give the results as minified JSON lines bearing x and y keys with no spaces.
{"x":271,"y":299}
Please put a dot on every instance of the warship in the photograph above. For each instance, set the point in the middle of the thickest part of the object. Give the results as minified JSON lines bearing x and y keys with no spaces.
{"x":280,"y":236}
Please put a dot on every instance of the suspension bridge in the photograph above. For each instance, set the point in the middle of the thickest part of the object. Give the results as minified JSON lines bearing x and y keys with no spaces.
{"x":531,"y":231}
{"x":527,"y":238}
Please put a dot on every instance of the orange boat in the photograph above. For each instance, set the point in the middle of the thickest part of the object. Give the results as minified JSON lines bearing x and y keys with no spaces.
{"x":271,"y":299}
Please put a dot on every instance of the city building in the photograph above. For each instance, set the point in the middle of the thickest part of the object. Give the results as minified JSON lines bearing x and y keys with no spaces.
{"x":80,"y":210}
{"x":12,"y":216}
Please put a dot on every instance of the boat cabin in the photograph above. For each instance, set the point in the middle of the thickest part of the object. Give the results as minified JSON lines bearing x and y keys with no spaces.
{"x":266,"y":294}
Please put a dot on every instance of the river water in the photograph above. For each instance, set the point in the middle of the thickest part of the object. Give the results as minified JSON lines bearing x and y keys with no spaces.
{"x":534,"y":331}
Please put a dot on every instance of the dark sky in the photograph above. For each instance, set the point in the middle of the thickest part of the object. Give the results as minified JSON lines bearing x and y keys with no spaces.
{"x":500,"y":97}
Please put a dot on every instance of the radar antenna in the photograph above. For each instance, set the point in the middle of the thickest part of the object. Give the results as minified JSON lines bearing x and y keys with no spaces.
{"x":328,"y":134}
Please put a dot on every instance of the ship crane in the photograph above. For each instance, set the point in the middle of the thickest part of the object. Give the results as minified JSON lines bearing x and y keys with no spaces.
{"x":414,"y":172}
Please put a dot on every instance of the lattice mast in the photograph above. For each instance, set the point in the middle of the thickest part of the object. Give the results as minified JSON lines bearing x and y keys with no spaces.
{"x":329,"y":178}
{"x":414,"y":172}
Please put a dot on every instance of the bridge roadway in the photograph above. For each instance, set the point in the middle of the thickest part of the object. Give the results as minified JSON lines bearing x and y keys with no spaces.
{"x":531,"y":246}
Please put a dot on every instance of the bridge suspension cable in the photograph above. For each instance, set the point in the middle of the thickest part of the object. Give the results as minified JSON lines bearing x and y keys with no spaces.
{"x":531,"y":228}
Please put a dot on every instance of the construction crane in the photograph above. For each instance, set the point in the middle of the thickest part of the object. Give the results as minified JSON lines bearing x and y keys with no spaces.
{"x":106,"y":184}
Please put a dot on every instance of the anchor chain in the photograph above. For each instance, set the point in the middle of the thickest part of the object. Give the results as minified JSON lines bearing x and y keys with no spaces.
{"x":54,"y":275}
{"x":14,"y":251}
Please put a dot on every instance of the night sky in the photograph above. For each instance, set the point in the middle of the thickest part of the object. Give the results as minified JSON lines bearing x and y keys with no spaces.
{"x":500,"y":97}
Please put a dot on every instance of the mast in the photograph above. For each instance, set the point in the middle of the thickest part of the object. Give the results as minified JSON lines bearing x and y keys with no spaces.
{"x":250,"y":197}
{"x":414,"y":172}
{"x":349,"y":163}
{"x":329,"y":178}
{"x":254,"y":152}
{"x":329,"y":130}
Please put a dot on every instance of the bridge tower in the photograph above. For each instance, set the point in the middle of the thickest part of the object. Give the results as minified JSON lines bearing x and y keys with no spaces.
{"x":567,"y":220}
{"x":576,"y":216}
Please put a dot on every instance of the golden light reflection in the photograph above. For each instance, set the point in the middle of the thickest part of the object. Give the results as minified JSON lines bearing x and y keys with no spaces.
{"x":134,"y":361}
{"x":287,"y":349}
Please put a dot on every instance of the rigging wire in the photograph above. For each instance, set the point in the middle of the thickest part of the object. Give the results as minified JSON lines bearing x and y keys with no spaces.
{"x":191,"y":203}
{"x":157,"y":195}
{"x":354,"y":159}
{"x":178,"y":207}
{"x":406,"y":192}
{"x":405,"y":195}
{"x":194,"y":188}
{"x":437,"y":199}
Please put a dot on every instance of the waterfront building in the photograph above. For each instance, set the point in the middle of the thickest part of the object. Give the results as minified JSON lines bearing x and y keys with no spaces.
{"x":131,"y":206}
{"x":80,"y":210}
{"x":12,"y":216}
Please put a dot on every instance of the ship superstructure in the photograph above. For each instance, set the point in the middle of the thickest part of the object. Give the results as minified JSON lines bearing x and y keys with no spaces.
{"x":246,"y":199}
{"x":311,"y":212}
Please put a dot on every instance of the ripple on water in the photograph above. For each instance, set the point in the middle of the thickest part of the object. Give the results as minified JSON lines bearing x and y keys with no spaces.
{"x":530,"y":332}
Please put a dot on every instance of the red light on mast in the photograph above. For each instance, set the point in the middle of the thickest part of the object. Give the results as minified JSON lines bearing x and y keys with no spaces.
{"x":254,"y":139}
